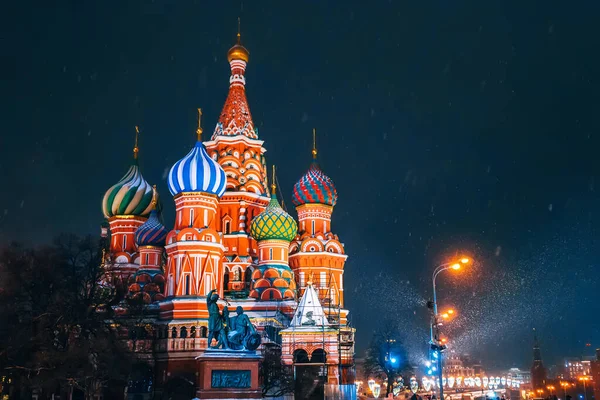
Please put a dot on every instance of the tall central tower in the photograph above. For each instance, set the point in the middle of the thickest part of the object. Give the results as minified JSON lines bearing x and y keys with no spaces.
{"x":235,"y":146}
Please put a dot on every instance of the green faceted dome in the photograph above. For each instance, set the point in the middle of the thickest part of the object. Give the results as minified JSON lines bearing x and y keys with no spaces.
{"x":273,"y":224}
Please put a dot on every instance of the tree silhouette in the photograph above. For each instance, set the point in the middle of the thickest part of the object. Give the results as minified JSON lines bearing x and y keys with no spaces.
{"x":52,"y":334}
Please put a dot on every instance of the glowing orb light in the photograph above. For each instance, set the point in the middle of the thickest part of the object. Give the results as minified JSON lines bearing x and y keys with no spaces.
{"x":459,"y":380}
{"x":485,"y":381}
{"x":478,"y":381}
{"x":503,"y":381}
{"x":509,"y":381}
{"x":451,"y":381}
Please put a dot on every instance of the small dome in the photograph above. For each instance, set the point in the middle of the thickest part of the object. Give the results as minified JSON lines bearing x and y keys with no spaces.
{"x":314,"y":188}
{"x":238,"y":52}
{"x":197,"y":172}
{"x":273,"y":223}
{"x":132,"y":195}
{"x":151,"y":232}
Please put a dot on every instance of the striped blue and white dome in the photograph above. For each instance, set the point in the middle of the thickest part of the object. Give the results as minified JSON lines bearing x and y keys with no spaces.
{"x":151,"y":232}
{"x":197,"y":172}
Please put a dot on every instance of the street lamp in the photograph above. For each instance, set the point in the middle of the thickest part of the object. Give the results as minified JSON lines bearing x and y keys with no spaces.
{"x":584,"y":379}
{"x":436,"y":345}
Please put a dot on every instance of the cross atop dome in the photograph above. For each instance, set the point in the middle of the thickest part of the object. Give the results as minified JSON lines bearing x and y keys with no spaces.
{"x":235,"y":117}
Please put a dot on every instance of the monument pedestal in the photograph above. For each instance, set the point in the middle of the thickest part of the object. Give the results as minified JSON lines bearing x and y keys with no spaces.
{"x":228,"y":374}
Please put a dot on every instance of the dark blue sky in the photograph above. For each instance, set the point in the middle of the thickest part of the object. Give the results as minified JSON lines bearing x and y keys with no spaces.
{"x":446,"y":126}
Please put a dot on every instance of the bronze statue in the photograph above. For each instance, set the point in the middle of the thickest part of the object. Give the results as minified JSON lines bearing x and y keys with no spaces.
{"x":240,"y":329}
{"x":216,"y":322}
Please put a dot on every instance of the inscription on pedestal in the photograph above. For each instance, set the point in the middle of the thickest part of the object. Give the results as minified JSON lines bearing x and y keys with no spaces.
{"x":230,"y":379}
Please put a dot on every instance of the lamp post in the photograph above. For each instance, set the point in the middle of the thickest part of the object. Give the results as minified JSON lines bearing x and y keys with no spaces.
{"x":584,"y":379}
{"x":564,"y":386}
{"x":435,"y":340}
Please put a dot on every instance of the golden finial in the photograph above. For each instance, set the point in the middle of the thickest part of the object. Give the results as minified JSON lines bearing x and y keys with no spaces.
{"x":136,"y":149}
{"x":238,"y":52}
{"x":314,"y":149}
{"x":154,"y":197}
{"x":273,"y":185}
{"x":199,"y":130}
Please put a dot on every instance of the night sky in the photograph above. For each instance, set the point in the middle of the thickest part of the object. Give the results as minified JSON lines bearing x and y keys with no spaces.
{"x":447,"y":126}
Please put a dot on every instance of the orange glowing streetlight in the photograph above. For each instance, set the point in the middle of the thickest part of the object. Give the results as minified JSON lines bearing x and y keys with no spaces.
{"x":455,"y":265}
{"x":584,"y":379}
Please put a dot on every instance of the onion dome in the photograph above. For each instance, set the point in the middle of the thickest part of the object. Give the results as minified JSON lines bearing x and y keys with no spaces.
{"x":152,"y":232}
{"x":146,"y":286}
{"x":273,"y":223}
{"x":314,"y":186}
{"x":132,"y":195}
{"x":197,"y":172}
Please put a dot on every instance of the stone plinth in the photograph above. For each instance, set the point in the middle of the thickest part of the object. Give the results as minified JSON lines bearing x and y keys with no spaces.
{"x":228,"y":374}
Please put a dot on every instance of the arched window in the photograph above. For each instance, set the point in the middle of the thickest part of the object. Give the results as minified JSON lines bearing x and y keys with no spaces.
{"x":227,"y":227}
{"x":174,"y":332}
{"x":124,"y":242}
{"x":226,"y":281}
{"x":183,"y":331}
{"x":270,"y":254}
{"x":187,"y":284}
{"x":300,"y":356}
{"x":318,"y":356}
{"x":193,"y":332}
{"x":192,"y":217}
{"x":313,"y":226}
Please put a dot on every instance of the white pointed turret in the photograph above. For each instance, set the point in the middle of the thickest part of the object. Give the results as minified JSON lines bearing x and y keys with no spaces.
{"x":309,"y":311}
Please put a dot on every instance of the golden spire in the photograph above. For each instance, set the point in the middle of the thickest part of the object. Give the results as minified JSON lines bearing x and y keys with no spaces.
{"x":136,"y":149}
{"x":154,"y":197}
{"x":238,"y":52}
{"x":314,"y":149}
{"x":273,"y":185}
{"x":199,"y":130}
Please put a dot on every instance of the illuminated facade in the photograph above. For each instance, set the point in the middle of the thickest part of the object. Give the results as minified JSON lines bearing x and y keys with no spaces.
{"x":230,"y":234}
{"x":574,"y":367}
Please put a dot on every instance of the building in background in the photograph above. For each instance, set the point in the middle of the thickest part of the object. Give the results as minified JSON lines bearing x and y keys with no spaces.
{"x":595,"y":372}
{"x":574,"y":367}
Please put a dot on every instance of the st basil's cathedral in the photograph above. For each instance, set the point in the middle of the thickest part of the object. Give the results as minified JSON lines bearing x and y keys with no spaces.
{"x":231,"y":235}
